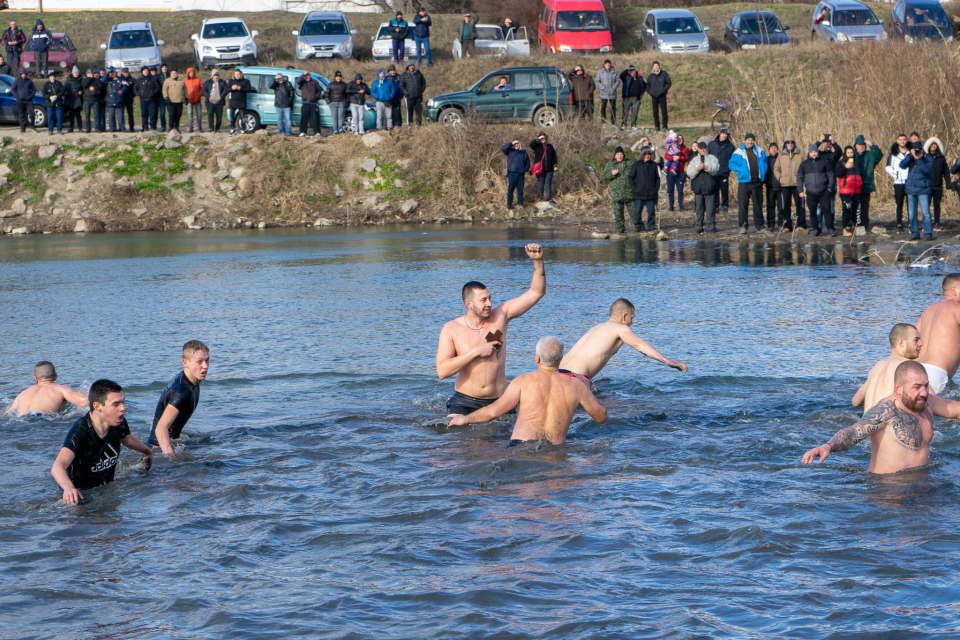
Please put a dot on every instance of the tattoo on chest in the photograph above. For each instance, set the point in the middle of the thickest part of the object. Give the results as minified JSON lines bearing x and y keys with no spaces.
{"x":906,"y":428}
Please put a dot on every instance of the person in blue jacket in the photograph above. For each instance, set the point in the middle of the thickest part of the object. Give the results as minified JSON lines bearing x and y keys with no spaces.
{"x":40,"y":41}
{"x":395,"y":111}
{"x":919,"y":188}
{"x":518,"y":163}
{"x":398,"y":34}
{"x":382,"y":91}
{"x":750,"y":163}
{"x":23,"y":91}
{"x":421,"y":36}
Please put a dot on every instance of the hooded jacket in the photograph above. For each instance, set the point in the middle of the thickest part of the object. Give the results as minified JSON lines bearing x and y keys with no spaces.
{"x":40,"y":38}
{"x":868,"y":162}
{"x":620,"y":190}
{"x":918,"y":178}
{"x":893,"y":164}
{"x":741,"y":164}
{"x":583,"y":86}
{"x":631,"y":86}
{"x":638,"y":146}
{"x":849,"y":180}
{"x":174,"y":91}
{"x":787,"y":164}
{"x":722,"y":152}
{"x":353,"y":91}
{"x":382,"y":89}
{"x":283,"y":93}
{"x":658,"y":84}
{"x":148,"y":87}
{"x":815,"y":176}
{"x":544,"y":153}
{"x":413,"y":84}
{"x":939,"y":170}
{"x":401,"y":26}
{"x":397,"y":89}
{"x":6,"y":70}
{"x":23,"y":89}
{"x":771,"y":178}
{"x":238,"y":97}
{"x":421,"y":25}
{"x":311,"y":91}
{"x":208,"y":89}
{"x":115,"y":91}
{"x":608,"y":82}
{"x":704,"y":182}
{"x":92,"y":89}
{"x":73,"y":93}
{"x":128,"y":93}
{"x":194,"y":86}
{"x":518,"y":162}
{"x":51,"y":89}
{"x":645,"y":180}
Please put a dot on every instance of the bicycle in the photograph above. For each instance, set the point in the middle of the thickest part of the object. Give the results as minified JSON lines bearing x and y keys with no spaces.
{"x":723,"y":118}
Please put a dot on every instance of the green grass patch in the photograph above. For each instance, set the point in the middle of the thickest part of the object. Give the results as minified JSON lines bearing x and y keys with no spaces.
{"x":28,"y":174}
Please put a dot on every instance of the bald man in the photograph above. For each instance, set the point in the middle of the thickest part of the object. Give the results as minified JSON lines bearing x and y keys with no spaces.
{"x":939,"y":328}
{"x":900,"y":427}
{"x":905,"y":345}
{"x":547,"y":399}
{"x":46,"y":396}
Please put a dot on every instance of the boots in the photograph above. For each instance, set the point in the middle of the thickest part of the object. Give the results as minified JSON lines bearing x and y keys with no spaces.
{"x":190,"y":130}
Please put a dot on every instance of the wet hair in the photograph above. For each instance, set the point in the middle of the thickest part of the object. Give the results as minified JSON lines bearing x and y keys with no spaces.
{"x":550,"y":350}
{"x":100,"y":389}
{"x":470,"y":287}
{"x":907,"y":368}
{"x":193,"y":346}
{"x":899,"y":332}
{"x":951,"y":280}
{"x":45,"y":371}
{"x":619,"y":306}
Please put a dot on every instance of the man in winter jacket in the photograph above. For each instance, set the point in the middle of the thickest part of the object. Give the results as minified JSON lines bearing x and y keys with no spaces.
{"x":73,"y":100}
{"x":162,"y":77}
{"x":721,"y":148}
{"x":194,"y":95}
{"x":40,"y":40}
{"x":750,"y":163}
{"x":831,"y":152}
{"x":617,"y":173}
{"x":421,"y":36}
{"x":128,"y":95}
{"x":215,"y":91}
{"x":702,"y":170}
{"x":583,"y":89}
{"x":92,"y":89}
{"x":115,"y":90}
{"x":239,"y":88}
{"x":658,"y":84}
{"x":814,"y":178}
{"x":772,"y":186}
{"x":395,"y":105}
{"x":518,"y":163}
{"x":53,"y":95}
{"x":785,"y":171}
{"x":546,"y":155}
{"x":174,"y":97}
{"x":919,"y":188}
{"x":608,"y":81}
{"x":148,"y":90}
{"x":357,"y":92}
{"x":632,"y":88}
{"x":13,"y":40}
{"x":311,"y":94}
{"x":5,"y":69}
{"x":398,"y":34}
{"x":645,"y":184}
{"x":283,"y":94}
{"x":413,"y":84}
{"x":867,"y":156}
{"x":934,"y":149}
{"x":899,"y":150}
{"x":23,"y":91}
{"x":466,"y":34}
{"x":103,"y":77}
{"x":382,"y":91}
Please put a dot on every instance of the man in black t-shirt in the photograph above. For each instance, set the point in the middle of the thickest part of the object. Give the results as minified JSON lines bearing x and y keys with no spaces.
{"x":180,"y":399}
{"x":91,"y":449}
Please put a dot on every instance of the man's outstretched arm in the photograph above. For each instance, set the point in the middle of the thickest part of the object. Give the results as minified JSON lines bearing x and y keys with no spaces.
{"x":944,"y":408}
{"x":871,"y":422}
{"x":506,"y":402}
{"x":860,"y":396}
{"x":75,"y":397}
{"x":538,"y":287}
{"x":592,"y":406}
{"x":644,"y":347}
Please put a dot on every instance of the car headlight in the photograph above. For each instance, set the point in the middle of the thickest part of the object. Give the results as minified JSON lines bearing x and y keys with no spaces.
{"x":248,"y":47}
{"x":26,"y":65}
{"x":706,"y":43}
{"x":909,"y":38}
{"x":842,"y":37}
{"x":501,"y":51}
{"x":429,"y":103}
{"x":749,"y":46}
{"x":949,"y":38}
{"x":659,"y":42}
{"x":605,"y":49}
{"x":208,"y":49}
{"x":345,"y":45}
{"x":883,"y":36}
{"x":63,"y":64}
{"x":565,"y":49}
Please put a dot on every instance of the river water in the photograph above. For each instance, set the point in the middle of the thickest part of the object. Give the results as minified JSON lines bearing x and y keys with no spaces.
{"x":319,"y":494}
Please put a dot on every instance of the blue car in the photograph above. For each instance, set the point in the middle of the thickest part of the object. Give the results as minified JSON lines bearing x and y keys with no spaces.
{"x":752,"y":29}
{"x":8,"y":106}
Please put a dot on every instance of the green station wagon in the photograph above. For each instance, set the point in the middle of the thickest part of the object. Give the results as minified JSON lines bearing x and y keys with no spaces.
{"x":537,"y":94}
{"x":261,"y":111}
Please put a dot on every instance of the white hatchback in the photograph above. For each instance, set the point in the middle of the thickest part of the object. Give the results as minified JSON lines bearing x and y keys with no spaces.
{"x":225,"y":42}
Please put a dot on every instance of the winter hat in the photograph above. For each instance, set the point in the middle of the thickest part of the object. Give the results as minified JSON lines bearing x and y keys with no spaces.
{"x":725,"y":130}
{"x":631,"y":68}
{"x":399,"y":13}
{"x":646,"y":151}
{"x":860,"y":140}
{"x":146,"y":68}
{"x":358,"y":77}
{"x":606,"y":61}
{"x":215,"y":73}
{"x":391,"y":68}
{"x":704,"y":141}
{"x":618,"y":150}
{"x":51,"y":73}
{"x":75,"y":70}
{"x":789,"y":138}
{"x":111,"y":70}
{"x":811,"y":148}
{"x":337,"y":74}
{"x":749,"y":136}
{"x":410,"y":65}
{"x":89,"y":72}
{"x":656,"y":64}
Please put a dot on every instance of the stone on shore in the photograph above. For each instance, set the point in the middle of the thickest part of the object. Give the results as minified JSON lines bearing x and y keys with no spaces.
{"x":19,"y":206}
{"x":370,"y":140}
{"x":369,"y":165}
{"x":46,"y":151}
{"x":409,"y":207}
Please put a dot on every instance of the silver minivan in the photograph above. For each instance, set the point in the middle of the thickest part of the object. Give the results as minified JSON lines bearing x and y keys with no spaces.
{"x":133,"y":45}
{"x":846,"y":21}
{"x":674,"y":31}
{"x":325,"y":34}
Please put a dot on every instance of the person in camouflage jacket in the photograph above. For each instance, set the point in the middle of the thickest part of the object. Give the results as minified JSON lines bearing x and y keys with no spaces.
{"x":617,"y":173}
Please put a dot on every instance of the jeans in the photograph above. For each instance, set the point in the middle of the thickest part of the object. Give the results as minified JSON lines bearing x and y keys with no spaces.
{"x":660,"y":106}
{"x":115,"y":118}
{"x":214,"y":116}
{"x":397,"y":47}
{"x":175,"y":110}
{"x":851,"y":210}
{"x":148,"y":113}
{"x":899,"y":195}
{"x":41,"y":58}
{"x":705,"y":209}
{"x":724,"y":194}
{"x":338,"y":111}
{"x":194,"y":111}
{"x":545,"y":185}
{"x":128,"y":108}
{"x":102,"y":116}
{"x":514,"y":183}
{"x":747,"y":191}
{"x":384,"y":115}
{"x":613,"y":110}
{"x":924,"y":201}
{"x":773,"y":199}
{"x":91,"y":113}
{"x":789,"y":196}
{"x":638,"y":206}
{"x":819,"y":201}
{"x":415,"y":105}
{"x":423,"y":43}
{"x":284,"y":125}
{"x":55,"y":113}
{"x":162,"y":113}
{"x":397,"y":114}
{"x":236,"y":120}
{"x":356,"y":112}
{"x":675,"y":181}
{"x":630,"y":108}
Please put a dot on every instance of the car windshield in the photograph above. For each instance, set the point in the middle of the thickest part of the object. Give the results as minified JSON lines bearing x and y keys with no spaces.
{"x":224,"y":30}
{"x":667,"y":26}
{"x":927,"y":17}
{"x":755,"y":26}
{"x":131,"y":39}
{"x":324,"y":28}
{"x":59,"y":44}
{"x":581,"y":21}
{"x":489,"y":33}
{"x":384,"y":33}
{"x":855,"y":18}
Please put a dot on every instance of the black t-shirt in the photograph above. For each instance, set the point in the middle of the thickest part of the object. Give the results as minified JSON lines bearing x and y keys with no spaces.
{"x":185,"y":397}
{"x":95,"y":459}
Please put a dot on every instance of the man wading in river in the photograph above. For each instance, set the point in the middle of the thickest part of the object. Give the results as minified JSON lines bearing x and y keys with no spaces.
{"x":905,"y":344}
{"x":181,"y":398}
{"x":46,"y":396}
{"x":939,"y":328}
{"x":474,"y":346}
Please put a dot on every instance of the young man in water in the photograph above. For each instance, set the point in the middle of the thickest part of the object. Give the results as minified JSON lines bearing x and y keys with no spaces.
{"x":474,"y":346}
{"x":592,"y":352}
{"x":547,"y":399}
{"x":91,"y":449}
{"x":45,"y":396}
{"x":939,"y":328}
{"x":905,"y":345}
{"x":900,"y":426}
{"x":181,"y":398}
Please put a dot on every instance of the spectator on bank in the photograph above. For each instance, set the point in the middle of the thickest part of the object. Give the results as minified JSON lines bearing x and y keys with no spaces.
{"x":23,"y":91}
{"x":644,"y":143}
{"x":632,"y":88}
{"x":914,"y":137}
{"x":5,"y":69}
{"x":676,"y":155}
{"x":899,"y":150}
{"x":128,"y":95}
{"x":382,"y":92}
{"x":608,"y":81}
{"x":311,"y":92}
{"x":832,"y":152}
{"x":174,"y":96}
{"x":645,"y":184}
{"x":14,"y":39}
{"x":413,"y":84}
{"x":750,"y":163}
{"x":785,"y":172}
{"x":421,"y":36}
{"x":583,"y":88}
{"x":283,"y":94}
{"x":722,"y":149}
{"x":546,"y":156}
{"x":398,"y":34}
{"x":194,"y":95}
{"x":466,"y":34}
{"x":814,"y":178}
{"x":357,"y":92}
{"x":40,"y":39}
{"x":617,"y":173}
{"x":239,"y":88}
{"x":955,"y":184}
{"x":162,"y":77}
{"x":397,"y":102}
{"x":849,"y":185}
{"x":215,"y":91}
{"x":919,"y":188}
{"x":509,"y":24}
{"x":702,"y":170}
{"x":73,"y":100}
{"x":92,"y":88}
{"x":53,"y":91}
{"x":658,"y":84}
{"x":933,"y":147}
{"x":148,"y":91}
{"x":518,"y":163}
{"x":868,"y":156}
{"x":772,"y":186}
{"x":115,"y":90}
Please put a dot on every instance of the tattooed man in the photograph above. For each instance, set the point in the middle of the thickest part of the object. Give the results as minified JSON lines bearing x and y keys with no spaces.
{"x":939,"y":328}
{"x":905,"y":345}
{"x":900,"y":426}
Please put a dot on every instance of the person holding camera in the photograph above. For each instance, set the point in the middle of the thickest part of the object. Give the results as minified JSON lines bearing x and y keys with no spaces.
{"x":814,"y":178}
{"x":832,"y":153}
{"x":899,"y":150}
{"x":518,"y":163}
{"x":919,"y":188}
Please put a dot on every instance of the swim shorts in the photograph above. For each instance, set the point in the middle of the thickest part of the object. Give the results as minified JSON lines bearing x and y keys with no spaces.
{"x":578,"y":376}
{"x":465,"y":405}
{"x":937,"y":376}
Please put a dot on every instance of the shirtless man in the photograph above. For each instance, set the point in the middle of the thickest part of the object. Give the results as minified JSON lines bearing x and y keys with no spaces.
{"x":180,"y":399}
{"x":481,"y":363}
{"x":46,"y":396}
{"x":547,"y":399}
{"x":900,"y":426}
{"x":592,"y":352}
{"x":905,"y":343}
{"x":939,"y":328}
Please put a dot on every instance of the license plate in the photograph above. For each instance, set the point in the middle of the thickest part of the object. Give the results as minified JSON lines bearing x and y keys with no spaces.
{"x":324,"y":54}
{"x":230,"y":56}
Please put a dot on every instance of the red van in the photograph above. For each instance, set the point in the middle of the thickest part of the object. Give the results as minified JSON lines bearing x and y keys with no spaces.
{"x":566,"y":26}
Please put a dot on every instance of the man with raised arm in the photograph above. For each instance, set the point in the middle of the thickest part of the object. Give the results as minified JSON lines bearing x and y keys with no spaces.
{"x":900,"y":426}
{"x":547,"y":400}
{"x":46,"y":396}
{"x":939,"y":328}
{"x":180,"y":399}
{"x":592,"y":352}
{"x":905,"y":345}
{"x":474,"y":346}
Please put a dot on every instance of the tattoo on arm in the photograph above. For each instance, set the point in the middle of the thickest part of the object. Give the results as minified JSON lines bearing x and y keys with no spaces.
{"x":871,"y":422}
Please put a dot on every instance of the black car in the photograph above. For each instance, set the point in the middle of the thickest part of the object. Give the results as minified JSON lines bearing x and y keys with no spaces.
{"x":915,"y":20}
{"x":751,"y":29}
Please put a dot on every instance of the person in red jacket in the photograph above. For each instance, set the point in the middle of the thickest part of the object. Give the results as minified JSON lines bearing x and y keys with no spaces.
{"x":194,"y":96}
{"x":676,"y":156}
{"x":850,"y":186}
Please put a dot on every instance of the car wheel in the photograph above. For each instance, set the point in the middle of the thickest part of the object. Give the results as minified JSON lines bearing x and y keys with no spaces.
{"x":451,"y":116}
{"x":546,"y":117}
{"x":39,"y":116}
{"x":251,"y":121}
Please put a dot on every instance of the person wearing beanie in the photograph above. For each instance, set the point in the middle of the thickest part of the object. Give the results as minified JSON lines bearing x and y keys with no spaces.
{"x":239,"y":87}
{"x":421,"y":36}
{"x":632,"y":87}
{"x":772,"y":186}
{"x":5,"y":69}
{"x":115,"y":90}
{"x":413,"y":85}
{"x":645,"y":184}
{"x":147,"y":87}
{"x":128,"y":95}
{"x":518,"y":164}
{"x":73,"y":100}
{"x":583,"y":88}
{"x":13,"y":40}
{"x":617,"y":173}
{"x":174,"y":97}
{"x":382,"y":91}
{"x":92,"y":88}
{"x":919,"y":188}
{"x":311,"y":92}
{"x":814,"y":178}
{"x":398,"y":33}
{"x":702,"y":170}
{"x":785,"y":171}
{"x":750,"y":163}
{"x":608,"y":81}
{"x":357,"y":92}
{"x":867,"y":155}
{"x":546,"y":156}
{"x":53,"y":91}
{"x":215,"y":92}
{"x":658,"y":84}
{"x":395,"y":104}
{"x":722,"y":149}
{"x":40,"y":40}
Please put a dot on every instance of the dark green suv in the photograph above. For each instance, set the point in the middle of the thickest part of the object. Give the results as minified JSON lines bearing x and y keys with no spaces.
{"x":537,"y":94}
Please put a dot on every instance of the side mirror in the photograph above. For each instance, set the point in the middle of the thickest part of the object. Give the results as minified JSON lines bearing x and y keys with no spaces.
{"x":881,"y":21}
{"x":549,"y":29}
{"x":826,"y":23}
{"x":295,"y":33}
{"x":104,"y":47}
{"x":706,"y":28}
{"x":254,"y":34}
{"x":786,"y":28}
{"x":373,"y":38}
{"x":159,"y":43}
{"x":353,"y":32}
{"x":649,"y":31}
{"x":194,"y":37}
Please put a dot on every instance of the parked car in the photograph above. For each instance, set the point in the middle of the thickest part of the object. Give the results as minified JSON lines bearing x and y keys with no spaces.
{"x":325,"y":34}
{"x":490,"y":42}
{"x":674,"y":31}
{"x":8,"y":105}
{"x":383,"y":45}
{"x":752,"y":29}
{"x":537,"y":94}
{"x":261,"y":110}
{"x":846,"y":21}
{"x":915,"y":20}
{"x":61,"y":56}
{"x":133,"y":45}
{"x":224,"y":41}
{"x":565,"y":26}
